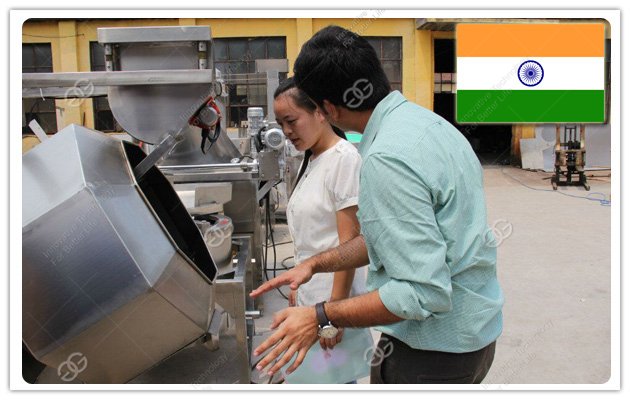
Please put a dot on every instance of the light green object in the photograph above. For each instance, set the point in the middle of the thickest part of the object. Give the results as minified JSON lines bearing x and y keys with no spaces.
{"x":346,"y":362}
{"x":423,"y":216}
{"x":353,"y":137}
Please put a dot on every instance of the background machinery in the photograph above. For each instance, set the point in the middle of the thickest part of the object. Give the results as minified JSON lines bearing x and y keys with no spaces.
{"x":138,"y":257}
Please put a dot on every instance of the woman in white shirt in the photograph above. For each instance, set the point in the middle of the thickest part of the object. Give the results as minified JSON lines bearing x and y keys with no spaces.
{"x":321,"y":212}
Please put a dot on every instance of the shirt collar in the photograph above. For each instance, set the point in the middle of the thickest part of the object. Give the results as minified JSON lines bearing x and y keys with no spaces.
{"x":384,"y":107}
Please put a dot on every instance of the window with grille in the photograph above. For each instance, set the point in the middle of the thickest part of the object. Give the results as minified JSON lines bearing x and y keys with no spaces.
{"x":37,"y":57}
{"x":238,"y":56}
{"x":389,"y":52}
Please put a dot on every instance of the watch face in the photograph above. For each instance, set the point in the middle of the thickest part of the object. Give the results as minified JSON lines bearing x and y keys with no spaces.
{"x":328,"y":332}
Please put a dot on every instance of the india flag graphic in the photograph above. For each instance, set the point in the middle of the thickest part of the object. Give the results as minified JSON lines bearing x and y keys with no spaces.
{"x":530,"y":73}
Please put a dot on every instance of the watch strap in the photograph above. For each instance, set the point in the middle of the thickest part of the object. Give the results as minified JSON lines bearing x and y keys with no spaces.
{"x":322,"y":319}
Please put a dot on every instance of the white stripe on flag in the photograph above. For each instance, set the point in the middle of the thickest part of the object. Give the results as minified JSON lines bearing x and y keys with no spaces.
{"x":501,"y":73}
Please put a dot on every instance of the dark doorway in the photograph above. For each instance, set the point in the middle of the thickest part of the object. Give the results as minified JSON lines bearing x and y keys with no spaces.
{"x":491,"y":143}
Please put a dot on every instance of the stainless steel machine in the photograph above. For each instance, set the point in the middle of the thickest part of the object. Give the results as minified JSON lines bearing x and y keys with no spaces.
{"x":138,"y":257}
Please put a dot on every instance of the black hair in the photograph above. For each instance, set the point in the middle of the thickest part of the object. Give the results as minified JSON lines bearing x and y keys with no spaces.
{"x":303,"y":101}
{"x":336,"y":60}
{"x":299,"y":97}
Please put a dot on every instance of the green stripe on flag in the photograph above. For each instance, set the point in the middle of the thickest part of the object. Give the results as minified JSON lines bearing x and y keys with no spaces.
{"x":474,"y":106}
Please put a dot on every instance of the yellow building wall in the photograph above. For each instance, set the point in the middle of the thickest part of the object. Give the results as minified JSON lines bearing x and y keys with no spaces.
{"x":70,"y":44}
{"x":45,"y":32}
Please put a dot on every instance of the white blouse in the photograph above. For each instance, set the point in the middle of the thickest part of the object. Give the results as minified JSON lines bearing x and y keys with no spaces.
{"x":329,"y":184}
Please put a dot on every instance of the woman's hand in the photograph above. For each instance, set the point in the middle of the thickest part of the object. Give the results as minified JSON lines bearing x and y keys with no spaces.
{"x":330,"y":343}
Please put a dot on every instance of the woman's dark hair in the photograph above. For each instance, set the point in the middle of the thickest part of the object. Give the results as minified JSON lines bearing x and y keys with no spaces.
{"x":302,"y":100}
{"x":342,"y":67}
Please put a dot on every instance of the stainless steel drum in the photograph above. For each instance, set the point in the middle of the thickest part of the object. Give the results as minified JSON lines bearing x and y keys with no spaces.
{"x":115,"y":272}
{"x":216,"y":231}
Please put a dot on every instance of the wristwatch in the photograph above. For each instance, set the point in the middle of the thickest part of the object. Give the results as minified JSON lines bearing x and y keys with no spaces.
{"x":326,"y":329}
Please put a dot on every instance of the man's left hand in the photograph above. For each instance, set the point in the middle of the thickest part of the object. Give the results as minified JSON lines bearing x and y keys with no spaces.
{"x":296,"y":332}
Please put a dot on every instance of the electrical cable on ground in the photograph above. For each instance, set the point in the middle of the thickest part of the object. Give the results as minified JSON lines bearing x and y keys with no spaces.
{"x":602,"y":201}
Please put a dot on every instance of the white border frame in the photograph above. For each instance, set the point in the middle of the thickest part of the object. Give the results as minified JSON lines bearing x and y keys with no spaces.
{"x":17,"y":17}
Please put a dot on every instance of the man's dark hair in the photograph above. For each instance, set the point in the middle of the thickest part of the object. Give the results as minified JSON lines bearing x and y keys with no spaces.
{"x":342,"y":67}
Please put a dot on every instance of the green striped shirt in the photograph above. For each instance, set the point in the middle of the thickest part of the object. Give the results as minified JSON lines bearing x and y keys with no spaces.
{"x":423,"y":216}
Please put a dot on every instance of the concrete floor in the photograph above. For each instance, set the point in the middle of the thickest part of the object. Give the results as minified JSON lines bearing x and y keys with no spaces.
{"x":554,"y":266}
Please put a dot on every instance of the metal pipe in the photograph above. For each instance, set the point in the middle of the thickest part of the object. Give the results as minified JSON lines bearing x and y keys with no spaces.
{"x":116,"y":78}
{"x":240,"y":166}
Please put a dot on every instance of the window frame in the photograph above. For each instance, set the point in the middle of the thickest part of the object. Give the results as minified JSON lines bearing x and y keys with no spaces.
{"x":396,"y":85}
{"x":233,"y":106}
{"x":34,"y":105}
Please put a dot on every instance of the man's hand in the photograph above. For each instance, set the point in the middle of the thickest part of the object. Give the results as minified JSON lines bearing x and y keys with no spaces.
{"x":296,"y":332}
{"x":330,"y":343}
{"x":293,"y":298}
{"x":294,"y":278}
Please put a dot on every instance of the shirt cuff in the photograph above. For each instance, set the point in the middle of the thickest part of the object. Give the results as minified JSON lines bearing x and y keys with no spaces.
{"x":400,"y":299}
{"x":349,"y":202}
